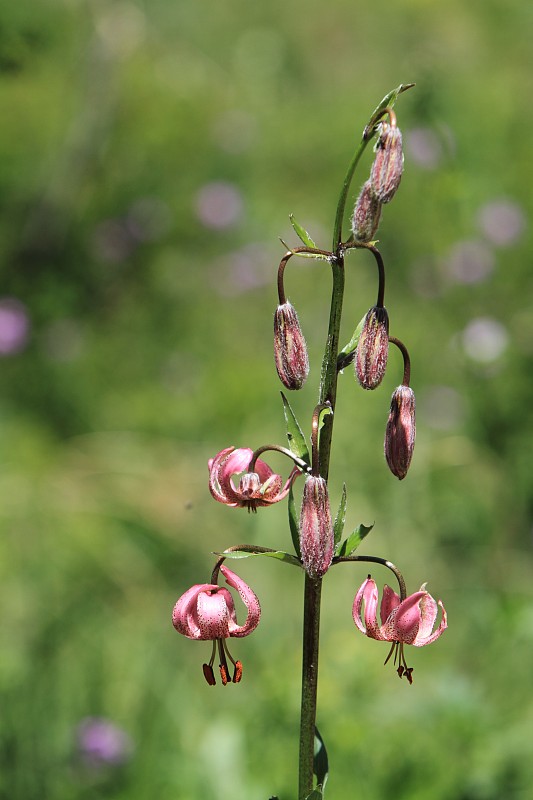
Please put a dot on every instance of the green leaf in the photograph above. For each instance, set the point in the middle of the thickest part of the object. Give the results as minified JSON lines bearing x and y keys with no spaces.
{"x":387,"y":102}
{"x":297,"y":443}
{"x":338,"y":525}
{"x":320,"y":256}
{"x":320,"y":763}
{"x":352,"y":344}
{"x":301,"y":232}
{"x":279,"y":554}
{"x":316,"y":794}
{"x":353,"y":541}
{"x":293,"y":524}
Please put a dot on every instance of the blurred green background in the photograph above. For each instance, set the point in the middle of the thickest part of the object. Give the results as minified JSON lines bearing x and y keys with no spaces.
{"x":150,"y":154}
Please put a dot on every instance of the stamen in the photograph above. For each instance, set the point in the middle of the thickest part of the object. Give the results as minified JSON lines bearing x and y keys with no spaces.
{"x":209,"y":675}
{"x":237,"y":675}
{"x":391,"y":651}
{"x":223,"y":666}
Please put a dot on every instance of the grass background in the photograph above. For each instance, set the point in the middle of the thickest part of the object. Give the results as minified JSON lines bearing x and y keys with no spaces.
{"x":149,"y":350}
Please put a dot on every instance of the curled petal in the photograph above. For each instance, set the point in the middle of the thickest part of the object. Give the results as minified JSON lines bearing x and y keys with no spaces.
{"x":368,"y":593}
{"x":404,"y":621}
{"x":389,"y":602}
{"x":259,"y":488}
{"x":428,"y":614}
{"x":212,"y":613}
{"x":420,"y":640}
{"x":249,"y":598}
{"x":222,"y":489}
{"x":183,"y":616}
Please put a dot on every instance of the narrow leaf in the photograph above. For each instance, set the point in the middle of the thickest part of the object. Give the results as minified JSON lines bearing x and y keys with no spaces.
{"x":320,"y":256}
{"x":352,"y":344}
{"x":293,"y":524}
{"x":279,"y":554}
{"x":387,"y":102}
{"x":320,"y":762}
{"x":297,"y":443}
{"x":338,"y":525}
{"x":301,"y":232}
{"x":316,"y":794}
{"x":353,"y":541}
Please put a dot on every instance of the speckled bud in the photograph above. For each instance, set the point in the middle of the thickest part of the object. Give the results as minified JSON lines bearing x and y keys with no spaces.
{"x":316,"y":530}
{"x":366,"y":215}
{"x":387,"y":168}
{"x":290,"y":349}
{"x":400,"y":433}
{"x":372,"y":348}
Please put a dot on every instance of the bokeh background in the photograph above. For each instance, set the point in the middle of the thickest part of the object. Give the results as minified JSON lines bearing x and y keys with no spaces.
{"x":150,"y":154}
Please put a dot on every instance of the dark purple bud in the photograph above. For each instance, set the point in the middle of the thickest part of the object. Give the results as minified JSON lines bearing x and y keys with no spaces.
{"x":290,"y":349}
{"x":400,"y":433}
{"x":366,"y":215}
{"x":386,"y":171}
{"x":316,"y":530}
{"x":372,"y":348}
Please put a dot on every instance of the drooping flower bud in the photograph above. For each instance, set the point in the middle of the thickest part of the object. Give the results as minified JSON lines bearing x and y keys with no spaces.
{"x":316,"y":530}
{"x":400,"y":432}
{"x":290,"y":349}
{"x":372,"y":348}
{"x":387,"y":168}
{"x":366,"y":215}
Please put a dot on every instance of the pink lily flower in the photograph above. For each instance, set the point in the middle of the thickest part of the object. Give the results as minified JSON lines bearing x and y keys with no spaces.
{"x":260,"y":488}
{"x":408,"y":621}
{"x":206,"y":612}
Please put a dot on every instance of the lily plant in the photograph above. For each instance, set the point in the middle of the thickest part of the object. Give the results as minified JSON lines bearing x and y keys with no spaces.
{"x":239,"y":478}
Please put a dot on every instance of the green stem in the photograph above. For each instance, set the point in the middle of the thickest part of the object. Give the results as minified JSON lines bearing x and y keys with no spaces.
{"x":313,"y":587}
{"x":339,"y":216}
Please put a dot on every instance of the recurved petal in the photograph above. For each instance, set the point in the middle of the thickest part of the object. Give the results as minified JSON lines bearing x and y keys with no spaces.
{"x":368,"y":593}
{"x":428,"y":615}
{"x":262,"y":469}
{"x":405,"y":621}
{"x":249,"y":598}
{"x":183,"y":618}
{"x":389,"y":602}
{"x":212,"y":615}
{"x":420,"y":641}
{"x":225,"y":464}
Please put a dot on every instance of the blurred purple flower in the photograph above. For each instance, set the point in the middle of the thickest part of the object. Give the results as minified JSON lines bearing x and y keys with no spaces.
{"x":14,"y":326}
{"x":502,"y":221}
{"x":101,"y":742}
{"x":485,"y":339}
{"x":470,"y":261}
{"x":219,"y":205}
{"x":242,"y":270}
{"x":423,"y":148}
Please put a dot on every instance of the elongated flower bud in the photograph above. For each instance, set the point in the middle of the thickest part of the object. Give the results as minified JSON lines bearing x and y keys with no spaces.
{"x":290,"y":349}
{"x":400,"y":433}
{"x":366,"y":215}
{"x":316,"y":530}
{"x":387,"y":168}
{"x":372,"y":348}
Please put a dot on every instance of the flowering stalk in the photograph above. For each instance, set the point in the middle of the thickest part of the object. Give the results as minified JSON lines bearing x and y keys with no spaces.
{"x":206,"y":612}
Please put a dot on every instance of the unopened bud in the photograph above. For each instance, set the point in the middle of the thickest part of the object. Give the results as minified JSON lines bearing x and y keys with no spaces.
{"x":366,"y":215}
{"x":290,"y":349}
{"x":372,"y":348}
{"x":316,"y":530}
{"x":400,"y":433}
{"x":386,"y":171}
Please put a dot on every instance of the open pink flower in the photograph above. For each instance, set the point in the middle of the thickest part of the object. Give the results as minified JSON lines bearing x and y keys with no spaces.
{"x":260,"y":488}
{"x":206,"y":612}
{"x":408,"y":621}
